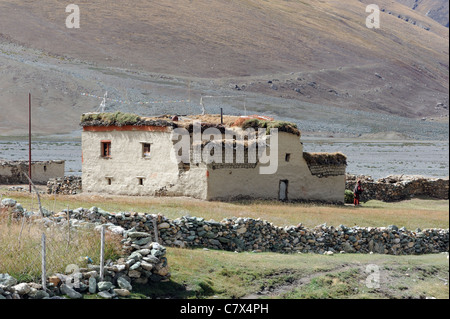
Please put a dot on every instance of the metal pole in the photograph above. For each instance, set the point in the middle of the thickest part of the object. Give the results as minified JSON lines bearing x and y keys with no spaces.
{"x":44,"y":266}
{"x":102,"y":253}
{"x":155,"y":229}
{"x":29,"y":138}
{"x":221,"y":115}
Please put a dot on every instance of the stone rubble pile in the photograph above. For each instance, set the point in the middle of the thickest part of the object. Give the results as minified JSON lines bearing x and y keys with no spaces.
{"x":399,"y":187}
{"x":69,"y":185}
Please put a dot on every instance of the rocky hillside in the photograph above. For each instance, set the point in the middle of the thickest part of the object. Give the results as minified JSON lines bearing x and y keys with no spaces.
{"x":292,"y":59}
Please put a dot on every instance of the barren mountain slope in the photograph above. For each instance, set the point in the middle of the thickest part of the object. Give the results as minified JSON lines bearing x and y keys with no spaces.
{"x":435,"y":9}
{"x":318,"y":52}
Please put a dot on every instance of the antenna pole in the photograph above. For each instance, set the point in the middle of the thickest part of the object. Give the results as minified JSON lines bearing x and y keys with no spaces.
{"x":203,"y":107}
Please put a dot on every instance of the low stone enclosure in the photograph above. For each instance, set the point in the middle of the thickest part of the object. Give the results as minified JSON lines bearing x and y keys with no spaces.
{"x":13,"y":172}
{"x":245,"y":234}
{"x":399,"y":187}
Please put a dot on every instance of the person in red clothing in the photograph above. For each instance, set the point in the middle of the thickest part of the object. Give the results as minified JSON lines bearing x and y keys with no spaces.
{"x":357,"y":192}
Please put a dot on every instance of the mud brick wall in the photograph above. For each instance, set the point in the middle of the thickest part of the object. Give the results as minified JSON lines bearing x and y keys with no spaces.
{"x":13,"y":172}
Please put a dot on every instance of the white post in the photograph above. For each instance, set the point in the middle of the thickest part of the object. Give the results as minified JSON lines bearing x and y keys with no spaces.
{"x":44,"y":266}
{"x":102,"y":253}
{"x":68,"y":227}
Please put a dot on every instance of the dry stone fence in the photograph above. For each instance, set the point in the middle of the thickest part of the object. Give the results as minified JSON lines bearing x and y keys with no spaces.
{"x":246,"y":234}
{"x":399,"y":187}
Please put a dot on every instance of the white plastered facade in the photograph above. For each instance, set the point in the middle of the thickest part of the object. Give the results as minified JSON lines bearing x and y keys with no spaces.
{"x":126,"y":169}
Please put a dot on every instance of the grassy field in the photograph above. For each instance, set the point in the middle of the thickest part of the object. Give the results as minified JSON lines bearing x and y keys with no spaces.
{"x":218,"y":274}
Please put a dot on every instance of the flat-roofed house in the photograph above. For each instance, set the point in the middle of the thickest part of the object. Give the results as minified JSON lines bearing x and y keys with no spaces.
{"x":131,"y":155}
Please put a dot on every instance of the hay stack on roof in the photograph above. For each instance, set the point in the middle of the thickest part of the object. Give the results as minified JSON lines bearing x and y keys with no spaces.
{"x":329,"y":159}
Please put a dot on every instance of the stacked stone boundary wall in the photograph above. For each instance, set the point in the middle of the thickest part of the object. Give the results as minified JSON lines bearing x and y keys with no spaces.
{"x":246,"y":234}
{"x":398,"y":187}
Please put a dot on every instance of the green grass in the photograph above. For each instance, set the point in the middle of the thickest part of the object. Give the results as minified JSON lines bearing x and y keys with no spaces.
{"x":116,"y":118}
{"x":218,"y":274}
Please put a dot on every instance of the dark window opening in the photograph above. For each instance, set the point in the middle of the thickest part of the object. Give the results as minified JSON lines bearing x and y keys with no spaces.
{"x":141,"y":181}
{"x":109,"y":180}
{"x":45,"y":168}
{"x":288,"y":157}
{"x":146,"y":150}
{"x":106,"y":149}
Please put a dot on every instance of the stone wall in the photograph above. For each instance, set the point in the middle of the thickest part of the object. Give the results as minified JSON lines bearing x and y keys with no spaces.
{"x":69,"y":185}
{"x":396,"y":188}
{"x":13,"y":172}
{"x":245,"y":234}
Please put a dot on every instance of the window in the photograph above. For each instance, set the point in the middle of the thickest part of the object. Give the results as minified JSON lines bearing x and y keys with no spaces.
{"x":288,"y":157}
{"x":184,"y":166}
{"x":106,"y":149}
{"x":109,"y":180}
{"x":141,"y":181}
{"x":146,"y":150}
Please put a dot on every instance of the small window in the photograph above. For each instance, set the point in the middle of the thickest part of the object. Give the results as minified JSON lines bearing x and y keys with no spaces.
{"x":141,"y":181}
{"x":109,"y":180}
{"x":288,"y":157}
{"x":106,"y":149}
{"x":45,"y":168}
{"x":146,"y":150}
{"x":184,"y":166}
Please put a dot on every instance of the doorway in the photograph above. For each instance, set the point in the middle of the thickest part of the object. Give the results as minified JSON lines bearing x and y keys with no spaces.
{"x":283,"y":190}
